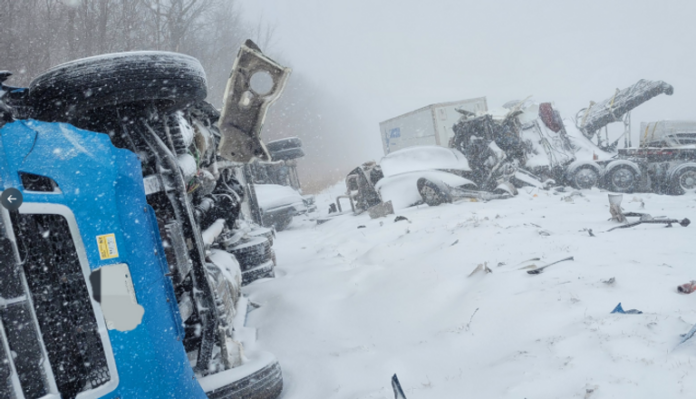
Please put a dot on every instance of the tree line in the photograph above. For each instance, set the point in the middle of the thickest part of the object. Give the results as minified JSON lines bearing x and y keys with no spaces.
{"x":38,"y":34}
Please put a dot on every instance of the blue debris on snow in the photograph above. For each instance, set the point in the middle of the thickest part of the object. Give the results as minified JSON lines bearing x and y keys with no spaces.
{"x":687,"y":336}
{"x":619,"y":309}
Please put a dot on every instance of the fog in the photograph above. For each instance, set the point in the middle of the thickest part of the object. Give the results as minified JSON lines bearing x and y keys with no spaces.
{"x":356,"y":63}
{"x":380,"y":59}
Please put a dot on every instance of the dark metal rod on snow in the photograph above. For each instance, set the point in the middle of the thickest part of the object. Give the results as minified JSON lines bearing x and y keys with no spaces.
{"x":541,"y":269}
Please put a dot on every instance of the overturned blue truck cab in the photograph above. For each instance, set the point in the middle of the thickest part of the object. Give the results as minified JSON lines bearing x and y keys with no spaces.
{"x":92,"y":190}
{"x":121,"y":270}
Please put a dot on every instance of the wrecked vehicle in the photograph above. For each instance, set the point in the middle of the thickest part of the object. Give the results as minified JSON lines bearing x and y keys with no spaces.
{"x":522,"y":144}
{"x":665,"y":161}
{"x":136,"y":195}
{"x":279,"y":204}
{"x":534,"y":140}
{"x":413,"y":176}
{"x":430,"y":125}
{"x":402,"y":169}
{"x":277,"y":185}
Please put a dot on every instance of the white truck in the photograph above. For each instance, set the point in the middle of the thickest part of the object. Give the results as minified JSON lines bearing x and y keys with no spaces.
{"x":430,"y":125}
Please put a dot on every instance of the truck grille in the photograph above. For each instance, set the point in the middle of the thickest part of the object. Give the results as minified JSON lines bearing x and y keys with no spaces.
{"x":62,"y":304}
{"x":19,"y":330}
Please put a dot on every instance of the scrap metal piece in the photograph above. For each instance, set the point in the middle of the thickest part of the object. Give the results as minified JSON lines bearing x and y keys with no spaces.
{"x":668,"y":222}
{"x":396,"y":386}
{"x":615,"y":208}
{"x":687,"y":288}
{"x":255,"y":83}
{"x":620,"y":309}
{"x":611,"y":281}
{"x":541,"y":269}
{"x":481,"y":268}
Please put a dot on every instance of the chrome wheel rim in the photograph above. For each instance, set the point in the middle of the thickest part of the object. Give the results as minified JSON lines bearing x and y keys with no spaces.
{"x":586,"y":178}
{"x":429,"y":194}
{"x":623,"y":179}
{"x":687,"y":180}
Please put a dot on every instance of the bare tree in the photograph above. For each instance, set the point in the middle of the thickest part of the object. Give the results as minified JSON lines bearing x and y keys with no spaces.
{"x":38,"y":34}
{"x":175,"y":19}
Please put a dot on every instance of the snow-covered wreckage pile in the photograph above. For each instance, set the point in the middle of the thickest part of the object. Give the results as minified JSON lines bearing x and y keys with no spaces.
{"x":493,"y":153}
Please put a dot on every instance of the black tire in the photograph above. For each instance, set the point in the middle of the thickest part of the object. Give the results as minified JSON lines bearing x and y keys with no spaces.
{"x":433,"y":192}
{"x":683,"y":180}
{"x":622,"y":179}
{"x":264,"y":270}
{"x":288,"y":154}
{"x":172,"y":79}
{"x":252,"y":253}
{"x":266,"y":383}
{"x":284,"y":144}
{"x":584,"y":177}
{"x":263,"y":232}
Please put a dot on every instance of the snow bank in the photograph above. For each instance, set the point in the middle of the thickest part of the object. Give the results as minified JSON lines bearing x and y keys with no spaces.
{"x":352,"y":306}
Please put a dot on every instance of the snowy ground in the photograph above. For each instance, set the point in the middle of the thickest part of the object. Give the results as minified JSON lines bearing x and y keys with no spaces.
{"x":352,"y":306}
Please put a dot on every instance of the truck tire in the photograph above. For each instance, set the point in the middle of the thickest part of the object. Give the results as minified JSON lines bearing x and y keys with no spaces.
{"x":266,"y":383}
{"x":263,"y":232}
{"x":264,"y":270}
{"x":284,"y":144}
{"x":287,"y":154}
{"x":433,"y":192}
{"x":622,"y":177}
{"x":252,"y":253}
{"x":66,"y":90}
{"x":682,"y":179}
{"x":584,"y":177}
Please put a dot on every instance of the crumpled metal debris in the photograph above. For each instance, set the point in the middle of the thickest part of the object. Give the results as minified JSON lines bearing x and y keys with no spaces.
{"x":687,"y":288}
{"x":618,"y":215}
{"x":590,"y":120}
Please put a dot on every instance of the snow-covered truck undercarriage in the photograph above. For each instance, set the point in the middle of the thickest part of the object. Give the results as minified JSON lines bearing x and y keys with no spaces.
{"x":169,"y":197}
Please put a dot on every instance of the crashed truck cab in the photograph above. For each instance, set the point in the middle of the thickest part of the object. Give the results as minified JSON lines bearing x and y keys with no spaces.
{"x":88,"y":215}
{"x":120,"y":272}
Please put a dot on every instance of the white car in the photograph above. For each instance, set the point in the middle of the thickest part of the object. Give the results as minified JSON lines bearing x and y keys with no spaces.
{"x":402,"y":169}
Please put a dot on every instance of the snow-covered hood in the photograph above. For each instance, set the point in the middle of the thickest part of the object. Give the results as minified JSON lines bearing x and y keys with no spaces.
{"x":423,"y":158}
{"x":273,"y":196}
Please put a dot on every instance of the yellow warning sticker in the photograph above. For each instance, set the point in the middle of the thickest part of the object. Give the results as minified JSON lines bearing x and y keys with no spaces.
{"x":107,"y":246}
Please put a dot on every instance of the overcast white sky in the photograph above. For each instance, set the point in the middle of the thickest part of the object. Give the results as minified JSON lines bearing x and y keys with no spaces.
{"x":390,"y":57}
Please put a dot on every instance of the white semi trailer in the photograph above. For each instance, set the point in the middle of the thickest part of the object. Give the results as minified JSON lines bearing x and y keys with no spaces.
{"x":430,"y":125}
